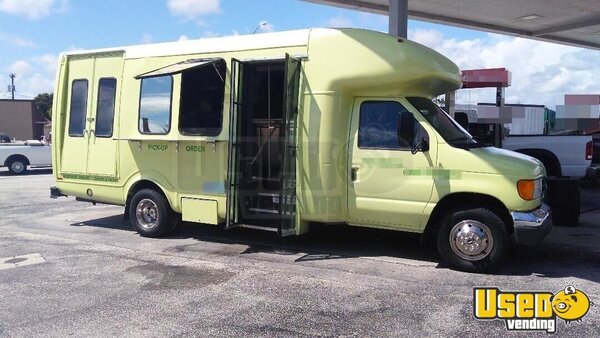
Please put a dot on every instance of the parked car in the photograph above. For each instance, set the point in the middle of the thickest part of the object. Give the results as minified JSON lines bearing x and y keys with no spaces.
{"x":4,"y":138}
{"x":18,"y":156}
{"x":562,"y":155}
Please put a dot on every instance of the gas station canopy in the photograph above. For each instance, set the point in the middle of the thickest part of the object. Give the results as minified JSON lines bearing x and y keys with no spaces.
{"x":571,"y":22}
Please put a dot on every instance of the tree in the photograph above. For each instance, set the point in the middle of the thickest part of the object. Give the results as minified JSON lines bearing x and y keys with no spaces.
{"x":43,"y":103}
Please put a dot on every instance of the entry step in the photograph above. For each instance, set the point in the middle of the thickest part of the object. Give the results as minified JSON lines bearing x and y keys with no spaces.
{"x":264,"y":211}
{"x":268,"y":194}
{"x":258,"y":227}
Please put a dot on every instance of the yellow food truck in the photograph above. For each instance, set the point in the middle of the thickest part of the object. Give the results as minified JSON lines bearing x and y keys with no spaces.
{"x":281,"y":130}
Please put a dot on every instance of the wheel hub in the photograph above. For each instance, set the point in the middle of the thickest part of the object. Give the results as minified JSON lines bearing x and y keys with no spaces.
{"x":147,"y":213}
{"x":17,"y":167}
{"x":471,"y":240}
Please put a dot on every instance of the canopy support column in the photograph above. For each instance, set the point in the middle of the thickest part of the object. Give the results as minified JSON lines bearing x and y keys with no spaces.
{"x":398,"y":16}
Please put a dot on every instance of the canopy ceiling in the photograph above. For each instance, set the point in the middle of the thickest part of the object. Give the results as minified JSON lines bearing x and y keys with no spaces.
{"x":571,"y":22}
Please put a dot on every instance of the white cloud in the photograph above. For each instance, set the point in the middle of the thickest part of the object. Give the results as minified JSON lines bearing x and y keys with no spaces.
{"x":33,"y":9}
{"x":16,"y":40}
{"x":34,"y":75}
{"x":428,"y":37}
{"x":49,"y":62}
{"x":339,"y":21}
{"x":35,"y":84}
{"x":190,"y":9}
{"x":541,"y":72}
{"x":28,"y":86}
{"x":183,"y":38}
{"x":210,"y":34}
{"x":20,"y":67}
{"x":147,"y":38}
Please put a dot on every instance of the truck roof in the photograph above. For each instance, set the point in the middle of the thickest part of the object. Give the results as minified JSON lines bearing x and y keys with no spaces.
{"x":208,"y":45}
{"x":355,"y":60}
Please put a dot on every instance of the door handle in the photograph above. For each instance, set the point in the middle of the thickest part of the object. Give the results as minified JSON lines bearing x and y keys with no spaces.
{"x":354,"y":174}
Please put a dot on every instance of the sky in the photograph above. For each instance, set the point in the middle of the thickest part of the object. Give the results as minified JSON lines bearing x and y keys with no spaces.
{"x":33,"y":33}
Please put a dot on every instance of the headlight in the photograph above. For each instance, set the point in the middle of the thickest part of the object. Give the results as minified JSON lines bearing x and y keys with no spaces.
{"x":530,"y":190}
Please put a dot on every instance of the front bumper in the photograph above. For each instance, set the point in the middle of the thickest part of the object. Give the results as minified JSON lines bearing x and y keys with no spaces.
{"x":532,"y":226}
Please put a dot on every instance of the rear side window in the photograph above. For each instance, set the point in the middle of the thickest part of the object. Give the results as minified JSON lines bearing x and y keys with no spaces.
{"x":379,"y":125}
{"x":155,"y":105}
{"x":201,"y":105}
{"x":79,"y":93}
{"x":105,"y":113}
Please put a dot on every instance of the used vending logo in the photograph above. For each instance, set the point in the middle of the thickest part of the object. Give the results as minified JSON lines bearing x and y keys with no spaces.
{"x":530,"y":311}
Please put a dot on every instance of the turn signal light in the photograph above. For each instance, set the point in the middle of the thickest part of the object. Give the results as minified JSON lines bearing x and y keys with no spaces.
{"x":529,"y":189}
{"x":589,"y":150}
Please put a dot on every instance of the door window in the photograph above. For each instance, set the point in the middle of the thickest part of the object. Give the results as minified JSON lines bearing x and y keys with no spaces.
{"x":79,"y":91}
{"x":379,"y":124}
{"x":105,"y":110}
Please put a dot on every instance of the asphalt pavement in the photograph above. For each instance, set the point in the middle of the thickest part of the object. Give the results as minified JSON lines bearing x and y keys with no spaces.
{"x":70,"y":268}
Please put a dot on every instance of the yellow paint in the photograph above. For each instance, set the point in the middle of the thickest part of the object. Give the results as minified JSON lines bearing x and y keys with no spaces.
{"x":200,"y":211}
{"x":341,"y":68}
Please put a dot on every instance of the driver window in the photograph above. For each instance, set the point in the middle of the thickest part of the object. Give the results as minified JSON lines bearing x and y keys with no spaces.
{"x":379,"y":124}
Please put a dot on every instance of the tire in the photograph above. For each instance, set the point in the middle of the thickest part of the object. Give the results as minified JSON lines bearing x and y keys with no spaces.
{"x":552,"y":167}
{"x":151,"y":215}
{"x":489,"y":246}
{"x":17,"y":167}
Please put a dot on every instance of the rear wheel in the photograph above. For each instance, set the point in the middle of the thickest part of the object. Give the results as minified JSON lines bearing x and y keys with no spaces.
{"x":17,"y":167}
{"x":473,"y":240}
{"x":151,"y":214}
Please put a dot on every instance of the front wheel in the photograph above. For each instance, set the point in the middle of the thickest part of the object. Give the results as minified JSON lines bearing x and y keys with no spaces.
{"x":473,"y":240}
{"x":151,"y":214}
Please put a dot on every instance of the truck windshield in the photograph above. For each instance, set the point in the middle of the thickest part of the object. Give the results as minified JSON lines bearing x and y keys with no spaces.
{"x":449,"y":129}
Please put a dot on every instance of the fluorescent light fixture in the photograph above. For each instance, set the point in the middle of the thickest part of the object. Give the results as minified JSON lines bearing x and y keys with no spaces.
{"x":530,"y":17}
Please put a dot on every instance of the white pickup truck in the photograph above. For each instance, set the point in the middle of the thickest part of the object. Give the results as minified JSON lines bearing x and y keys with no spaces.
{"x":562,"y":155}
{"x":17,"y":156}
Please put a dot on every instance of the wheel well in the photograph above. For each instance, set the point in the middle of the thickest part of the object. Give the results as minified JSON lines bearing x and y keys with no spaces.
{"x":548,"y":159}
{"x":465,"y":200}
{"x":143,"y":184}
{"x":20,"y":157}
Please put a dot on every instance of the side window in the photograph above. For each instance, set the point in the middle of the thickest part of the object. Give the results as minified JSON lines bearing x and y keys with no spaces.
{"x":201,"y":104}
{"x":155,"y":105}
{"x":105,"y":109}
{"x":79,"y":94}
{"x":379,"y":125}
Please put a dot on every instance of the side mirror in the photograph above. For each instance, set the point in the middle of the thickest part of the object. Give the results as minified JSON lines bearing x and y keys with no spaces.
{"x":422,"y":145}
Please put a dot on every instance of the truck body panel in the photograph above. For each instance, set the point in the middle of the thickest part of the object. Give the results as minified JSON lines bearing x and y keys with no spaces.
{"x":570,"y":150}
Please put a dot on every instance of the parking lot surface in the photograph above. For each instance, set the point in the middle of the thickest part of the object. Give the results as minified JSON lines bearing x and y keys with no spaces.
{"x":71,"y":268}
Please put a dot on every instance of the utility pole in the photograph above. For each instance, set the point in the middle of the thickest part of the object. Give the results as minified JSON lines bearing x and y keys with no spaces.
{"x":12,"y":85}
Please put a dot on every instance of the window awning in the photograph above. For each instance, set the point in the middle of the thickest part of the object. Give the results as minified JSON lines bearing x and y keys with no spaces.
{"x":177,"y":68}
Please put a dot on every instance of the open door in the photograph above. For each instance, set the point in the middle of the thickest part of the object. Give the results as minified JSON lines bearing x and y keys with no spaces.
{"x":235,"y":105}
{"x":261,"y":171}
{"x":287,"y":197}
